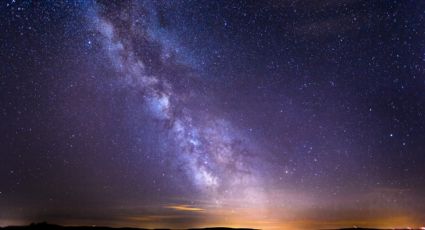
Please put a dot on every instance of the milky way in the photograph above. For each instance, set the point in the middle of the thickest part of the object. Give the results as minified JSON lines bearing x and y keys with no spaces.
{"x":208,"y":148}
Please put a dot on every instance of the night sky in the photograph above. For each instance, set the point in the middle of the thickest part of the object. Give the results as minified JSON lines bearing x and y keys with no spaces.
{"x":268,"y":114}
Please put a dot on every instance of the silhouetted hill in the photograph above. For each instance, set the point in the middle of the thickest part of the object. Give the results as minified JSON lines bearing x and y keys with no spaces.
{"x":58,"y":227}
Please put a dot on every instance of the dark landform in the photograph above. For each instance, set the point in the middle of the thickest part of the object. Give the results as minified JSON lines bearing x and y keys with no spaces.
{"x":59,"y":227}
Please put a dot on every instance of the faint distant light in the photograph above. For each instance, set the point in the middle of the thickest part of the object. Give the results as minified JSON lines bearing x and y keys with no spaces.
{"x":422,"y":228}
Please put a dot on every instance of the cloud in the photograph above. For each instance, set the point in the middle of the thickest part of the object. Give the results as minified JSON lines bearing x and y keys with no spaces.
{"x":185,"y":208}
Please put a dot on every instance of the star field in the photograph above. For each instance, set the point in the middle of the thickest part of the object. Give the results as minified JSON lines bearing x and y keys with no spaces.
{"x":180,"y":114}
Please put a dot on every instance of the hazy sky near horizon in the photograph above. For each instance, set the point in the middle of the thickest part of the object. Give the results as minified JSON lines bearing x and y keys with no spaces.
{"x":267,"y":114}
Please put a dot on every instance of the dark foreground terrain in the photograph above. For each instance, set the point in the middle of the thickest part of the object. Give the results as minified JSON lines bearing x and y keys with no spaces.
{"x":58,"y":227}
